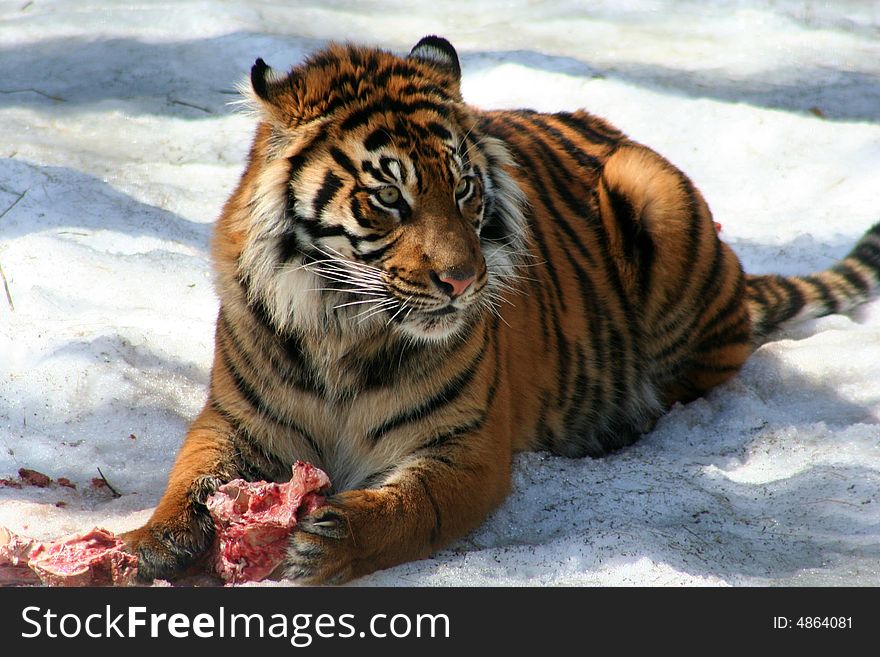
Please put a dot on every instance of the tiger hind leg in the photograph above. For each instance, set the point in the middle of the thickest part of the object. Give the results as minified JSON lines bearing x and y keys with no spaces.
{"x":709,"y":366}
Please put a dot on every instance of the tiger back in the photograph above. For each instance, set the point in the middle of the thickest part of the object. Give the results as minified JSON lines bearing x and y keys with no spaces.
{"x":412,"y":290}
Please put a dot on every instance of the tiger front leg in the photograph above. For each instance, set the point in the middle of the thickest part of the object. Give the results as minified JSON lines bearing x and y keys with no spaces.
{"x":180,"y":529}
{"x":429,"y":502}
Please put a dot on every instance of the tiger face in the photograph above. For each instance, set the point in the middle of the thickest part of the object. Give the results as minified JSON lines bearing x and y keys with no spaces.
{"x":367,"y":218}
{"x":396,"y":234}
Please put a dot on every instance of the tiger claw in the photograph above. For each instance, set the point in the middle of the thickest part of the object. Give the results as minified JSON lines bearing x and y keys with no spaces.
{"x":324,"y":522}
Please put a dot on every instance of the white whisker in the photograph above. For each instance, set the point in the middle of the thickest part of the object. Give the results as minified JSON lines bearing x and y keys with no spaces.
{"x":355,"y":303}
{"x":348,"y":291}
{"x":342,"y":259}
{"x":402,"y":306}
{"x":380,"y":308}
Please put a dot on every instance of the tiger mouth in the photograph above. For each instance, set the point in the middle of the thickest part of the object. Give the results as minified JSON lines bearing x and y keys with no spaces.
{"x":445,"y":310}
{"x":445,"y":314}
{"x":434,"y":323}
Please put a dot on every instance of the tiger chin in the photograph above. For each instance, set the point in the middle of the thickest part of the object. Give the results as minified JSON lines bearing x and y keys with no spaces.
{"x":412,"y":290}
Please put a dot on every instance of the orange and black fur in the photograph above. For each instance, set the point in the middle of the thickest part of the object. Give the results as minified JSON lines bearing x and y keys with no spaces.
{"x":412,"y":290}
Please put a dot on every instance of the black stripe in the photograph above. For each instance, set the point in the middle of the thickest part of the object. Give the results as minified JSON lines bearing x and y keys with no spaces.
{"x":463,"y":150}
{"x":829,"y":301}
{"x":373,"y":256}
{"x":733,"y":303}
{"x":448,"y":437}
{"x":585,"y":129}
{"x":794,"y":301}
{"x":354,"y":57}
{"x":248,"y":467}
{"x":449,"y":393}
{"x":257,"y":307}
{"x":585,"y":282}
{"x":331,"y":185}
{"x":541,"y":431}
{"x":599,"y":324}
{"x":852,"y":277}
{"x":692,"y":318}
{"x":427,"y":89}
{"x":247,"y":391}
{"x":636,"y":241}
{"x":647,"y":252}
{"x":756,"y":286}
{"x":868,"y":254}
{"x":324,"y":59}
{"x":358,"y":213}
{"x":377,"y":139}
{"x":627,"y":223}
{"x":494,"y":228}
{"x":445,"y":460}
{"x":707,"y":367}
{"x":563,"y":355}
{"x":289,"y":246}
{"x":386,"y":162}
{"x":496,"y":377}
{"x":710,"y":281}
{"x":581,"y":209}
{"x":387,"y":366}
{"x":298,"y":160}
{"x":345,"y":162}
{"x":502,"y":131}
{"x":259,"y":404}
{"x":581,"y":391}
{"x":575,"y":152}
{"x":539,"y":287}
{"x":738,"y":333}
{"x":405,"y":70}
{"x":606,"y":346}
{"x":367,"y":167}
{"x":695,"y":235}
{"x":293,"y":366}
{"x":544,"y":316}
{"x":362,"y":115}
{"x":318,"y":231}
{"x":439,"y":130}
{"x":296,"y":368}
{"x":438,"y":521}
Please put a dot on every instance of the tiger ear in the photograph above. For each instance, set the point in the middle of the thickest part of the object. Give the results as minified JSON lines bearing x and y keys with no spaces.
{"x":264,"y":81}
{"x":437,"y":52}
{"x":271,"y":95}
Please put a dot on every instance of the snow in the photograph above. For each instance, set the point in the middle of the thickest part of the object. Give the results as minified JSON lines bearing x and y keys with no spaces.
{"x":118,"y":146}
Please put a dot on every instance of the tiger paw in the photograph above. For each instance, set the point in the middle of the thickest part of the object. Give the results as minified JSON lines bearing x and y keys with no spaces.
{"x":322,"y":549}
{"x":343,"y":539}
{"x":164,"y":551}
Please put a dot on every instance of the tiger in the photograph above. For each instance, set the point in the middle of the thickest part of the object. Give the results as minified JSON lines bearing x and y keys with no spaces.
{"x":412,"y":290}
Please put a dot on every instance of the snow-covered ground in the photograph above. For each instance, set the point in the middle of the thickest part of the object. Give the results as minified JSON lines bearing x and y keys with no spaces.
{"x":118,"y":145}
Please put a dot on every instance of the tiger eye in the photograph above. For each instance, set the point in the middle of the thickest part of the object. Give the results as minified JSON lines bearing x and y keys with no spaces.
{"x":389,"y":195}
{"x":461,"y":187}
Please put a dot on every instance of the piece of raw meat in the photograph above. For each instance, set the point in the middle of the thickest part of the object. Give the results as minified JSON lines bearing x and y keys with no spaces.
{"x":254,"y":519}
{"x":94,"y":558}
{"x":14,"y":551}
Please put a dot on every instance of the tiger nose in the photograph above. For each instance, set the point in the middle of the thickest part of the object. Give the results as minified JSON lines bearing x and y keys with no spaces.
{"x":454,"y":282}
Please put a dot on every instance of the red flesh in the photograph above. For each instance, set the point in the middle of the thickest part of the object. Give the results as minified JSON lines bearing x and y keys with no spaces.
{"x":94,"y":558}
{"x":254,"y":519}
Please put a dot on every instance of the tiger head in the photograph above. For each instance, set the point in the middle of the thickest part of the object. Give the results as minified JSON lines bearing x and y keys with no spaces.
{"x":371,"y":201}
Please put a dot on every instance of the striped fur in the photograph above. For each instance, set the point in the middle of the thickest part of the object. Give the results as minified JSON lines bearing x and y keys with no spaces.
{"x":774,"y":300}
{"x":413,"y":289}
